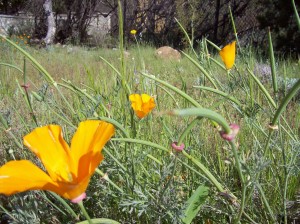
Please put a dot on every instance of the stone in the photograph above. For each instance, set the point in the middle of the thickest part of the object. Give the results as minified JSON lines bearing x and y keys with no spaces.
{"x":167,"y":52}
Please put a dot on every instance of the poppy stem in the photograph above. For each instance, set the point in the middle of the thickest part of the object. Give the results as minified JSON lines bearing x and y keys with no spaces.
{"x":86,"y":215}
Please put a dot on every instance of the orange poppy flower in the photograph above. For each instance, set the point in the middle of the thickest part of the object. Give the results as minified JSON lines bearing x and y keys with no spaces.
{"x":228,"y":55}
{"x":141,"y":104}
{"x":69,"y":169}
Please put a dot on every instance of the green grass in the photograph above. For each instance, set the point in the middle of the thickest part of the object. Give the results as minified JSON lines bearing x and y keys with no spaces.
{"x":155,"y":183}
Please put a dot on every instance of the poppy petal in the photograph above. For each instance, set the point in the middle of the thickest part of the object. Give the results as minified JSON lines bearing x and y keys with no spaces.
{"x":48,"y":144}
{"x":148,"y":103}
{"x":136,"y":102}
{"x":19,"y":176}
{"x":228,"y":55}
{"x":87,"y":144}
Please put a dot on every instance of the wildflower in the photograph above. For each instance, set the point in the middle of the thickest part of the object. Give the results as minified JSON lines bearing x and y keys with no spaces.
{"x":133,"y":32}
{"x":69,"y":169}
{"x":142,"y":104}
{"x":230,"y":136}
{"x":228,"y":55}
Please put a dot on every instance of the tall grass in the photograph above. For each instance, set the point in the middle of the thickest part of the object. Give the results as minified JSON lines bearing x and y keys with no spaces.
{"x":254,"y":179}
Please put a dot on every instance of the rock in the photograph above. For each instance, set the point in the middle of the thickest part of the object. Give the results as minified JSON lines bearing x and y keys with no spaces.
{"x":166,"y":52}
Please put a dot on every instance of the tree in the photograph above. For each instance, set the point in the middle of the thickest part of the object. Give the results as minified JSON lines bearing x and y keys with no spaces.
{"x":211,"y":19}
{"x":50,"y":21}
{"x":280,"y":17}
{"x":10,"y":7}
{"x":78,"y":17}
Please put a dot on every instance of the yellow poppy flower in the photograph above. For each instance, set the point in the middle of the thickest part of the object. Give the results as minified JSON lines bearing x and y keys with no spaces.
{"x":69,"y":169}
{"x":141,"y":104}
{"x":133,"y":32}
{"x":228,"y":55}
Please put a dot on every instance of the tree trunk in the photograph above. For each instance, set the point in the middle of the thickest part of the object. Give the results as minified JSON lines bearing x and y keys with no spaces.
{"x":216,"y":25}
{"x":51,"y":22}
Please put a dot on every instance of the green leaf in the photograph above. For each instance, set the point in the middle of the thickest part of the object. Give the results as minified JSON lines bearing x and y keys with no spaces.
{"x":194,"y":203}
{"x":99,"y":221}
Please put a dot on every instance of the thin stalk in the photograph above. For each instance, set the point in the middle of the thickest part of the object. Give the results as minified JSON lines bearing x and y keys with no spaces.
{"x":284,"y":159}
{"x":234,"y":28}
{"x":265,"y":201}
{"x":187,"y":37}
{"x":76,"y":89}
{"x":219,"y":92}
{"x":27,"y":95}
{"x":121,"y":46}
{"x":171,"y":178}
{"x":285,"y":101}
{"x":41,"y":69}
{"x":105,"y":177}
{"x":188,"y":129}
{"x":154,"y":145}
{"x":64,"y":203}
{"x":214,"y":45}
{"x":8,"y":132}
{"x":84,"y":212}
{"x":272,"y":60}
{"x":206,"y":52}
{"x":207,"y":173}
{"x":117,"y":72}
{"x":12,"y":66}
{"x":169,"y":94}
{"x":205,"y":73}
{"x":27,"y":100}
{"x":8,"y":213}
{"x":296,"y":14}
{"x":178,"y":91}
{"x":140,"y":55}
{"x":241,"y":176}
{"x":203,"y":112}
{"x":3,"y":121}
{"x":115,"y":159}
{"x":262,"y":88}
{"x":218,"y":63}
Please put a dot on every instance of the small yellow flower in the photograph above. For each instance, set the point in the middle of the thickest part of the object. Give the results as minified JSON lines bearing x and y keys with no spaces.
{"x":228,"y":55}
{"x":133,"y":32}
{"x":69,"y":169}
{"x":141,"y":104}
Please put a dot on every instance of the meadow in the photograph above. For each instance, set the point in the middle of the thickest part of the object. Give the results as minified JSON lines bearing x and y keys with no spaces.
{"x":252,"y":177}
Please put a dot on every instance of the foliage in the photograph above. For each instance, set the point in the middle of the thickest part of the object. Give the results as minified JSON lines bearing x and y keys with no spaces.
{"x":153,"y":165}
{"x":11,"y":6}
{"x":280,"y":17}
